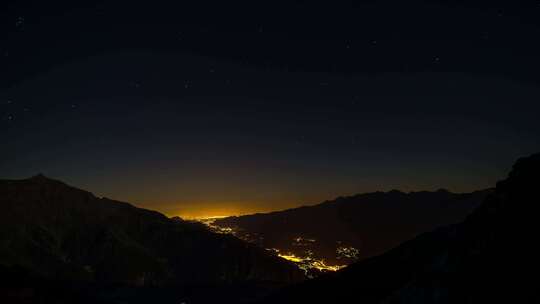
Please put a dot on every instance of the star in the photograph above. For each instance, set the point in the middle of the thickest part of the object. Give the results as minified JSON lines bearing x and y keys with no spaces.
{"x":135,"y":84}
{"x":19,"y":23}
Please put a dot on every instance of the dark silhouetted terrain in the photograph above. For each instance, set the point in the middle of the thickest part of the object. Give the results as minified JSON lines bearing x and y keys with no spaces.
{"x":491,"y":257}
{"x":372,"y":223}
{"x":55,"y":239}
{"x":64,"y":245}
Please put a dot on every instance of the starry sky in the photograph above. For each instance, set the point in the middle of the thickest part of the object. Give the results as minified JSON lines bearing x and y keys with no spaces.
{"x":219,"y":108}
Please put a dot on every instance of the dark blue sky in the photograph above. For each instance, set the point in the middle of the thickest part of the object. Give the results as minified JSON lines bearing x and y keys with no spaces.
{"x":234,"y":109}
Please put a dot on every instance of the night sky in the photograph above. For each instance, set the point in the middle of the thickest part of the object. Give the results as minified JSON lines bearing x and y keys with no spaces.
{"x":203,"y":108}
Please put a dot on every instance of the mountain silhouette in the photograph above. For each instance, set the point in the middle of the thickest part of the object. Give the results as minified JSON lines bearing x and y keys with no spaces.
{"x":50,"y":231}
{"x":490,"y":257}
{"x":372,"y":223}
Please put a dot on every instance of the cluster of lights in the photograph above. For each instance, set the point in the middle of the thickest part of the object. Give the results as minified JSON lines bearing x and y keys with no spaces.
{"x":307,"y":263}
{"x":347,"y":252}
{"x":209,"y":222}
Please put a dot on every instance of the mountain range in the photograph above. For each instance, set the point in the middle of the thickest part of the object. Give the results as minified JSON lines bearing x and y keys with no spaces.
{"x":50,"y":231}
{"x":490,"y":257}
{"x":352,"y":228}
{"x":60,"y":244}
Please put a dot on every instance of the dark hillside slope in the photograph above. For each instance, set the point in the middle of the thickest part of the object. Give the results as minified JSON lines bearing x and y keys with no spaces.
{"x":372,"y":223}
{"x":491,"y":257}
{"x":57,"y":232}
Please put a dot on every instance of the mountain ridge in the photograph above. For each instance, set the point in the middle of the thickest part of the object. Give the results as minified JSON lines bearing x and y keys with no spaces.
{"x":58,"y":232}
{"x":370,"y":223}
{"x":488,"y":257}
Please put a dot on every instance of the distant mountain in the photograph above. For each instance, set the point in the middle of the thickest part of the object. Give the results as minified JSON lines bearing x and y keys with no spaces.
{"x":491,"y":257}
{"x":50,"y":231}
{"x":350,"y":228}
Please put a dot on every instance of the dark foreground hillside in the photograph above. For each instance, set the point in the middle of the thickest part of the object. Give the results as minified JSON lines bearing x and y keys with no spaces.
{"x":355,"y":227}
{"x":60,"y":242}
{"x":491,"y":257}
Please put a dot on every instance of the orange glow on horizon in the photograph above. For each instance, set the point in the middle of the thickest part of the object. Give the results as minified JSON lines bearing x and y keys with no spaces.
{"x":196,"y":211}
{"x":208,"y":213}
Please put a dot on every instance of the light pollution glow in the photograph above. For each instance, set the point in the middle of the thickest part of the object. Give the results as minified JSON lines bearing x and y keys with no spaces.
{"x":206,"y":212}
